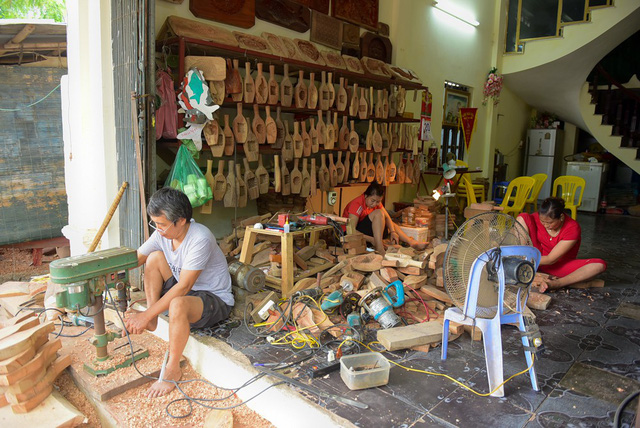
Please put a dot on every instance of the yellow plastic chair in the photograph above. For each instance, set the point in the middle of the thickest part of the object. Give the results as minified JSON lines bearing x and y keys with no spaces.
{"x":571,"y":189}
{"x":516,"y":195}
{"x":461,"y":190}
{"x":471,"y":196}
{"x":533,"y":197}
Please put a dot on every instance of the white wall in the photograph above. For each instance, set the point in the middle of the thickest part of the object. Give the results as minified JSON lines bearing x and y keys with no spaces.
{"x":89,"y":125}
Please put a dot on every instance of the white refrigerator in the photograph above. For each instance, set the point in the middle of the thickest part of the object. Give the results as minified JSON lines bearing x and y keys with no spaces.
{"x":544,"y":155}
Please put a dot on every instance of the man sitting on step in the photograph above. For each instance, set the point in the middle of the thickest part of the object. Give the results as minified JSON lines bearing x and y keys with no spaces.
{"x":185,"y":273}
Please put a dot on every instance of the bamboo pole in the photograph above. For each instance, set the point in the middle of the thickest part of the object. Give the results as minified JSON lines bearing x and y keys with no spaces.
{"x":108,"y":217}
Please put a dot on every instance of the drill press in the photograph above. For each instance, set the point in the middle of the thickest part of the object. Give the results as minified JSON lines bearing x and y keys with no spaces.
{"x":82,"y":281}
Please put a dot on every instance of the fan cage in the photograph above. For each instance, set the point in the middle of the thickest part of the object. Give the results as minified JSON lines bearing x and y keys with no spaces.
{"x":476,"y":236}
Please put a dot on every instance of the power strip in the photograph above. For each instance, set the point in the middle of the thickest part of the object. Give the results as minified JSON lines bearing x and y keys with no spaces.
{"x":323,"y":368}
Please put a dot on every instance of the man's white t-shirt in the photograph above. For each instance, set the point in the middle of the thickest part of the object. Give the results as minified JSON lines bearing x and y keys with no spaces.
{"x":198,"y":251}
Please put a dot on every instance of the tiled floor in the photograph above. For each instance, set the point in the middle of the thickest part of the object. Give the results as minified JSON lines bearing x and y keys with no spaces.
{"x":580,"y":329}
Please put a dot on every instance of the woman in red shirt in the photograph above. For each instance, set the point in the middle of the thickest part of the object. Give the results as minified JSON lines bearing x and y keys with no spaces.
{"x":373,"y":220}
{"x":557,"y":236}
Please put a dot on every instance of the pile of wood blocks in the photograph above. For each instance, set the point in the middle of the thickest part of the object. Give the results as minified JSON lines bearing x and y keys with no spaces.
{"x":29,"y":363}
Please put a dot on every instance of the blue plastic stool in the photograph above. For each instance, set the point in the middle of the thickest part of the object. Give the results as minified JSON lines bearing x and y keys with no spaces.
{"x":491,"y":327}
{"x":501,"y":187}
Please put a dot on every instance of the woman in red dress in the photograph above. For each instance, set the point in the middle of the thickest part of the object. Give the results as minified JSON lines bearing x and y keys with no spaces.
{"x":557,"y":236}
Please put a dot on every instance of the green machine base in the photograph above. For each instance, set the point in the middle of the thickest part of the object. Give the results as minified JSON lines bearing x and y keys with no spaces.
{"x":115,"y":360}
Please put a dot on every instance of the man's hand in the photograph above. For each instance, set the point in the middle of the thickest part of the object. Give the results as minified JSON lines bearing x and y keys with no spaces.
{"x":395,"y":238}
{"x":135,"y":322}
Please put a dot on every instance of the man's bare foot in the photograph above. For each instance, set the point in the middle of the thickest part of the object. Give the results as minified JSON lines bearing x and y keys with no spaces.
{"x":160,"y":388}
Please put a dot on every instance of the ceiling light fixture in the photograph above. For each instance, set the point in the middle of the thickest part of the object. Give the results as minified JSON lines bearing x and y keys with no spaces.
{"x":449,"y":10}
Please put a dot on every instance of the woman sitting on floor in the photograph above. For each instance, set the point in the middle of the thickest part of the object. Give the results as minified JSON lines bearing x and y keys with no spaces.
{"x":373,"y":220}
{"x":557,"y":236}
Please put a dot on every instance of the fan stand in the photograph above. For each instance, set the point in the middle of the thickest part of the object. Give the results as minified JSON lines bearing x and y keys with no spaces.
{"x":491,"y":327}
{"x":446,"y":197}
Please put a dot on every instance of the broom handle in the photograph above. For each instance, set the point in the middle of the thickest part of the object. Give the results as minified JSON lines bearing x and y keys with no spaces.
{"x":108,"y":217}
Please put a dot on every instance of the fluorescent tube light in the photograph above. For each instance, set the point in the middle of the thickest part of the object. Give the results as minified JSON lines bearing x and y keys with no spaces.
{"x":446,"y":8}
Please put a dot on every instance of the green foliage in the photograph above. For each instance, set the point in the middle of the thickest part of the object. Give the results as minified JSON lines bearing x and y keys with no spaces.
{"x":33,"y":9}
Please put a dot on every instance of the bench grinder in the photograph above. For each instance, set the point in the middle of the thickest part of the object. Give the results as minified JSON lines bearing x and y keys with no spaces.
{"x":82,"y":281}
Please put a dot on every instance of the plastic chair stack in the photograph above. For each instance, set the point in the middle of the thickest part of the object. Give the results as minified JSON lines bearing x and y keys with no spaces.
{"x":461,"y":190}
{"x":491,"y":327}
{"x":571,"y":189}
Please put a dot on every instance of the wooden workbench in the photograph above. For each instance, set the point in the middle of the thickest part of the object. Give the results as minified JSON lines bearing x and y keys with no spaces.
{"x":286,"y":282}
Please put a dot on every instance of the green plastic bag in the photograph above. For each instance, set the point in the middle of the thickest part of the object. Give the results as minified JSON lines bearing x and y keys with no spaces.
{"x":185,"y":175}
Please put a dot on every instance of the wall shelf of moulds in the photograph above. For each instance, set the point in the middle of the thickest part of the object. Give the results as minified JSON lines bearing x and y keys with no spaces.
{"x":267,"y":149}
{"x":303,"y":113}
{"x":182,"y":46}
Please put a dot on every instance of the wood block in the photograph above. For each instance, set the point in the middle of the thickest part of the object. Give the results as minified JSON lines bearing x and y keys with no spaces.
{"x":411,"y":270}
{"x":18,"y":342}
{"x":454,"y":327}
{"x":14,"y":288}
{"x":356,"y":278}
{"x":17,"y":361}
{"x":538,"y":300}
{"x":218,"y":419}
{"x":421,"y":348}
{"x":344,"y":257}
{"x":30,"y":404}
{"x":412,"y":335}
{"x":276,"y":258}
{"x":376,"y":281}
{"x":3,"y":400}
{"x":440,"y":282}
{"x":389,"y":274}
{"x":335,"y":269}
{"x":55,"y":411}
{"x":303,"y":284}
{"x":14,"y":320}
{"x":390,"y":263}
{"x":415,"y":281}
{"x":326,"y":255}
{"x":24,"y":388}
{"x":367,"y":262}
{"x":20,"y":326}
{"x":474,"y":332}
{"x":40,"y":361}
{"x":300,"y":262}
{"x":357,"y":250}
{"x":111,"y":315}
{"x":307,"y":252}
{"x":352,"y":238}
{"x":436,"y":293}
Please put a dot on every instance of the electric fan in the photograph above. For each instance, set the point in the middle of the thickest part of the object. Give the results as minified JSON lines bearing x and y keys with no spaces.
{"x":474,"y":238}
{"x":488,"y":269}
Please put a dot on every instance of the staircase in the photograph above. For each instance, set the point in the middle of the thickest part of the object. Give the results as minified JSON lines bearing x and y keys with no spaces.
{"x":551,"y":73}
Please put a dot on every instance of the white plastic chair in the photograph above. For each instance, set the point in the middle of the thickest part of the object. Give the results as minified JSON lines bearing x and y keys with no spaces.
{"x":491,"y":327}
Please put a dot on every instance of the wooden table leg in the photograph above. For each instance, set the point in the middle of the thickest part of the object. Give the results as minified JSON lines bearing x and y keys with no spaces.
{"x":287,"y":262}
{"x":250,"y":235}
{"x":313,"y":238}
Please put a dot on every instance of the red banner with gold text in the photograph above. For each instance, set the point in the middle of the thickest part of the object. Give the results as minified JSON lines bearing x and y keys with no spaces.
{"x":468,"y":123}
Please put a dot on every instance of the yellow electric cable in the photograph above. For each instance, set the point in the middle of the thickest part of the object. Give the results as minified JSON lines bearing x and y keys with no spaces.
{"x":481,"y":394}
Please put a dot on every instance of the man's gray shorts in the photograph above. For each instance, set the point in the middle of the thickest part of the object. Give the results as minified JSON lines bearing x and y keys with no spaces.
{"x":214,"y":309}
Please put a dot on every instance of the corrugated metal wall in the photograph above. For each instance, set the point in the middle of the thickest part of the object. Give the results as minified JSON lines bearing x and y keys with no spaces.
{"x":129,"y":50}
{"x":130,"y":28}
{"x":33,"y":199}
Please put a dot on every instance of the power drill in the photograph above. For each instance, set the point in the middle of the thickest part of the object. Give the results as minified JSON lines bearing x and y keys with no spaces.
{"x":314,"y":293}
